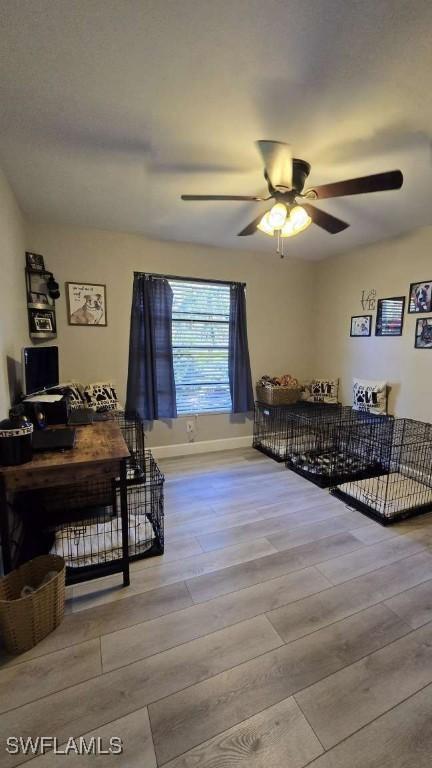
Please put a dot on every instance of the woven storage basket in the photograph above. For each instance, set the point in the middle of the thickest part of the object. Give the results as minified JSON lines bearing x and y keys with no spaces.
{"x":277,"y":395}
{"x":24,"y":621}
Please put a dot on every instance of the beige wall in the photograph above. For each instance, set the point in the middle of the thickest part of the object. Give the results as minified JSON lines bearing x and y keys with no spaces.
{"x":13,"y":314}
{"x":388,"y":267}
{"x":298,"y":313}
{"x":278,"y":305}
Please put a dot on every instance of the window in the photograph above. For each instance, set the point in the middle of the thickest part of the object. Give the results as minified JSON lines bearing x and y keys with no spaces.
{"x":200,"y":328}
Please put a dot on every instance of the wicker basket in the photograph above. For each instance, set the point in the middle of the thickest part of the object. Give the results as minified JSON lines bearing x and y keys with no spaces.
{"x":24,"y":621}
{"x":277,"y":395}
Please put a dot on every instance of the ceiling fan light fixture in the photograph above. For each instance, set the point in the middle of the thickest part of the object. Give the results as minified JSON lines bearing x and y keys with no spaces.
{"x":298,"y":221}
{"x":265,"y":226}
{"x":277,"y":216}
{"x":274,"y":219}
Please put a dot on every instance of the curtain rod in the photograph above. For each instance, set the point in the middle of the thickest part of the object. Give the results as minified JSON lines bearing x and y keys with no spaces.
{"x":189,"y":279}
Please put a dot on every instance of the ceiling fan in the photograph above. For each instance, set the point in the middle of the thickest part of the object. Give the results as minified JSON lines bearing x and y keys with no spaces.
{"x":292,"y":213}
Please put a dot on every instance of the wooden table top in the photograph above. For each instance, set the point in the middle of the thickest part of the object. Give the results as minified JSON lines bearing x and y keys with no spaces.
{"x":96,"y":445}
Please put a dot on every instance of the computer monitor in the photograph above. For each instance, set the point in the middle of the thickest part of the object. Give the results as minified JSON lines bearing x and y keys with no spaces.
{"x":40,"y":369}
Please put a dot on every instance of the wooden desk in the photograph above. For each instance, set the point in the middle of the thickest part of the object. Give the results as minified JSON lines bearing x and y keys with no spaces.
{"x":100,"y":450}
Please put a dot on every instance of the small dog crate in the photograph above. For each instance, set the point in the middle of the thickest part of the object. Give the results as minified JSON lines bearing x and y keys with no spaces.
{"x":273,"y":425}
{"x":321,"y":446}
{"x":85,"y":523}
{"x":404,"y":487}
{"x":82,"y":522}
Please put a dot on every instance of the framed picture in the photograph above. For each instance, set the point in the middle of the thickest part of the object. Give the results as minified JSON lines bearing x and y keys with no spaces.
{"x":38,"y":298}
{"x":35,"y":262}
{"x":86,"y":304}
{"x":390,"y":315}
{"x":423,"y":334}
{"x":43,"y":324}
{"x":42,"y":321}
{"x":361,"y":325}
{"x":420,"y":297}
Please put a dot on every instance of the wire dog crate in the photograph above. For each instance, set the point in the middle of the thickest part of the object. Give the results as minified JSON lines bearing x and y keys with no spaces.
{"x":404,"y":487}
{"x":321,"y":447}
{"x":273,"y":425}
{"x":132,"y":428}
{"x":144,"y":485}
{"x":90,"y":531}
{"x":83,"y":521}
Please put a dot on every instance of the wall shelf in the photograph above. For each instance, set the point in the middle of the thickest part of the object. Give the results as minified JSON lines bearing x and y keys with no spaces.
{"x":40,"y":304}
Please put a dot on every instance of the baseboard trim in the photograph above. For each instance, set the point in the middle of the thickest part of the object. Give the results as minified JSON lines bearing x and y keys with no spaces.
{"x":202,"y":446}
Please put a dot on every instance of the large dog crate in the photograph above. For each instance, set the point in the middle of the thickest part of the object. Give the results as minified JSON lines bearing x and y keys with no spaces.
{"x":273,"y":424}
{"x":404,"y":487}
{"x":321,"y":448}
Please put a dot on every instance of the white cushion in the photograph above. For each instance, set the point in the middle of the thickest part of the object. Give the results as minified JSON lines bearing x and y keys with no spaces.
{"x":102,"y":396}
{"x":370,"y":396}
{"x":321,"y":391}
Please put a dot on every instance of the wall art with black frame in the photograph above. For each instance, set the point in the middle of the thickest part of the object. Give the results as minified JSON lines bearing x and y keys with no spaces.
{"x":390,"y":316}
{"x":423,"y":334}
{"x":420,"y":297}
{"x":42,"y":322}
{"x":361,"y":325}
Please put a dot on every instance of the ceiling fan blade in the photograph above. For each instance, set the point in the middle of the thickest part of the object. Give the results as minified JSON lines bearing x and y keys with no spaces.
{"x":277,"y":159}
{"x":223,"y":197}
{"x":325,"y":220}
{"x":377,"y":182}
{"x":252,"y":227}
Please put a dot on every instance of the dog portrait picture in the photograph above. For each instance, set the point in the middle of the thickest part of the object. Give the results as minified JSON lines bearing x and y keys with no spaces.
{"x":361,"y":325}
{"x":86,"y":304}
{"x":420,"y":297}
{"x":423,"y":336}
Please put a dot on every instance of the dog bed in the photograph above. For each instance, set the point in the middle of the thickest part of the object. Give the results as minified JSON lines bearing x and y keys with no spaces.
{"x":88,"y":544}
{"x":389,"y":494}
{"x":326,"y":463}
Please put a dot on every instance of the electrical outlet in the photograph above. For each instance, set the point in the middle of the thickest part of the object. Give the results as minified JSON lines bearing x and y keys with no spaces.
{"x":190,"y":426}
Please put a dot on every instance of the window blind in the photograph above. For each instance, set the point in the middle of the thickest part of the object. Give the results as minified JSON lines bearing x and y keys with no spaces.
{"x":200,"y":330}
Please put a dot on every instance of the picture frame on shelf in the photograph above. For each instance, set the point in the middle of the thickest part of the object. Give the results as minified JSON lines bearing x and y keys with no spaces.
{"x":420,"y":297}
{"x":361,"y":325}
{"x":42,"y":321}
{"x":37,"y":297}
{"x":86,"y":304}
{"x":390,"y":316}
{"x":423,"y":333}
{"x":35,"y":262}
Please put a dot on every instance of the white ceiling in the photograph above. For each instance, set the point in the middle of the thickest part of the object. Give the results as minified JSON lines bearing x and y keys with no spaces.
{"x":110,"y":109}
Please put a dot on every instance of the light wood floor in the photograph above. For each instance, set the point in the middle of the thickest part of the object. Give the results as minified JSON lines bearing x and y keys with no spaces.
{"x":279,"y":629}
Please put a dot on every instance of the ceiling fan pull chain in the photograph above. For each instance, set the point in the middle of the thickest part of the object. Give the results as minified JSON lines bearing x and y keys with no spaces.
{"x":280,"y":244}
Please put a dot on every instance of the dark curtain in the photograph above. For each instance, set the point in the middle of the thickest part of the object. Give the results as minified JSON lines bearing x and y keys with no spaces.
{"x":238,"y":360}
{"x":151,"y":388}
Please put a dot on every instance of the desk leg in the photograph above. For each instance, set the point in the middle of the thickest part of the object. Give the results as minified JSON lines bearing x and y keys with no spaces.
{"x":4,"y":528}
{"x":125,"y":522}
